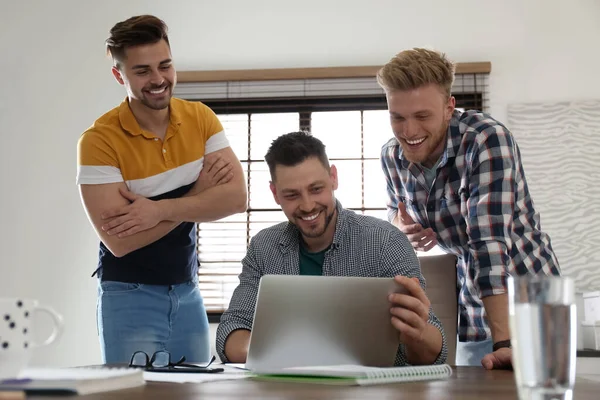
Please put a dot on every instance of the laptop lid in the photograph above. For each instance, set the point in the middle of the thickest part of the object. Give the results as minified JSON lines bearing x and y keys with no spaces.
{"x":322,"y":320}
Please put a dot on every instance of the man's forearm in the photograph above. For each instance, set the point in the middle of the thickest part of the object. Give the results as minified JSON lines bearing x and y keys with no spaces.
{"x":209,"y":205}
{"x":123,"y":246}
{"x":426,"y":351}
{"x":496,"y":309}
{"x":236,"y":346}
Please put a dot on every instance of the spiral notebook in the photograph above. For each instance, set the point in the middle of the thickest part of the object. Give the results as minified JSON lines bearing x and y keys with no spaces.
{"x":74,"y":380}
{"x":356,"y":374}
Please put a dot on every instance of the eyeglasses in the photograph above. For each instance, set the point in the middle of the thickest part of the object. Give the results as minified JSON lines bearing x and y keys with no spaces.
{"x":160,"y":361}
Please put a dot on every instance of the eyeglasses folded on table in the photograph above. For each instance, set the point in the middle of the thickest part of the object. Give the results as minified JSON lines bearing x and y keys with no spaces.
{"x":160,"y":361}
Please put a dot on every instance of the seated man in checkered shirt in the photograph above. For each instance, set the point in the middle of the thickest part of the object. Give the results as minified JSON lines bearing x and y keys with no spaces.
{"x":322,"y":238}
{"x":456,"y":179}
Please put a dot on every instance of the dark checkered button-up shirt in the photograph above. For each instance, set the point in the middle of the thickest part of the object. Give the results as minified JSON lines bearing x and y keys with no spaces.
{"x":362,"y":246}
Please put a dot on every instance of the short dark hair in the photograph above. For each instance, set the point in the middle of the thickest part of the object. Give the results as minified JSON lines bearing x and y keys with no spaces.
{"x":293,"y":148}
{"x":135,"y":31}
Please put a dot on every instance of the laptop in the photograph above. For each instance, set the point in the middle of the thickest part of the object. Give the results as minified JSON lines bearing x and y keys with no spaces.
{"x":322,"y":320}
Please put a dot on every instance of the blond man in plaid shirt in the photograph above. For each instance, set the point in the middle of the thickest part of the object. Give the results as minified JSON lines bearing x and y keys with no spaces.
{"x":455,"y":179}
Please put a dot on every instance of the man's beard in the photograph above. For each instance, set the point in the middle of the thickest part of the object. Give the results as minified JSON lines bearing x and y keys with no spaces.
{"x":157,"y":106}
{"x":432,"y":143}
{"x":317,"y":233}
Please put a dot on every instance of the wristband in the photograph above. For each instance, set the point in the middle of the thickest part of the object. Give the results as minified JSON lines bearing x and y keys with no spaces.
{"x":501,"y":344}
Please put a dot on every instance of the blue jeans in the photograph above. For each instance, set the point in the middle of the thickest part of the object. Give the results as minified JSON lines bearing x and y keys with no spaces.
{"x":134,"y":316}
{"x":471,"y":353}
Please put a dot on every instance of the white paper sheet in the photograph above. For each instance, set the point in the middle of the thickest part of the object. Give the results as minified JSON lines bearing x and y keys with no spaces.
{"x":230,"y":373}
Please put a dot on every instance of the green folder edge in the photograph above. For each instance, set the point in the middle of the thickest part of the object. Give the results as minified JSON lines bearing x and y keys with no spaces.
{"x":305,"y":379}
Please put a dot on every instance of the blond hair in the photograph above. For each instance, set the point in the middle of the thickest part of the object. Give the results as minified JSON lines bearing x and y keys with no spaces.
{"x":411,"y":69}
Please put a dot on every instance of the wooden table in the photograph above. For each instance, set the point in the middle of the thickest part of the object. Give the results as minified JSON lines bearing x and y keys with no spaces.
{"x":466,"y":383}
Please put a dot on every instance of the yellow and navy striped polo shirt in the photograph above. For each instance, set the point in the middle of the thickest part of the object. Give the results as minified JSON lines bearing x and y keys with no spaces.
{"x":115,"y":149}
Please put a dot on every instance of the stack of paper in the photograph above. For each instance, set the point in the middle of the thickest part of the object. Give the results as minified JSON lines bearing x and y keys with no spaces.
{"x":74,"y":380}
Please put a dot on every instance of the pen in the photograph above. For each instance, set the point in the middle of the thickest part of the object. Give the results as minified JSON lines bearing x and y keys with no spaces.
{"x":16,"y":381}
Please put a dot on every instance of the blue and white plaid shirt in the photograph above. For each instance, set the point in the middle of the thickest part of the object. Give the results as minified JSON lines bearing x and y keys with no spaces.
{"x":480,"y":209}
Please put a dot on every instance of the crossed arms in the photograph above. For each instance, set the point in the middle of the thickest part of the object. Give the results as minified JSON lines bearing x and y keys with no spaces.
{"x":126,"y":222}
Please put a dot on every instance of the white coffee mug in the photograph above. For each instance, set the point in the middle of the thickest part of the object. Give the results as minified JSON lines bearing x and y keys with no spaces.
{"x":17,"y":340}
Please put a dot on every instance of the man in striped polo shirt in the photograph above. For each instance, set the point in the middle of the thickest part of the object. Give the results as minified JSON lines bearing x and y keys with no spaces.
{"x":456,"y":179}
{"x":148,"y":171}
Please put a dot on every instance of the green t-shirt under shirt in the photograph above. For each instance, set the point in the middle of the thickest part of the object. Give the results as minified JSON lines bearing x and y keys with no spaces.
{"x":311,"y":263}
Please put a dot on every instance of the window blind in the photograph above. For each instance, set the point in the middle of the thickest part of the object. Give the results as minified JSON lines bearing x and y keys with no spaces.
{"x":348,"y":114}
{"x":471,"y":90}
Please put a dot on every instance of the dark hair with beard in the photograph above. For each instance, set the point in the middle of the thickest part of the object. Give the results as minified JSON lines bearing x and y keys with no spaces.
{"x":292,"y":149}
{"x":135,"y":31}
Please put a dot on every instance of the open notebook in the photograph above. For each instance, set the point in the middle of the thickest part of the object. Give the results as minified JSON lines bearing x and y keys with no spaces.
{"x":356,"y":375}
{"x":74,"y":380}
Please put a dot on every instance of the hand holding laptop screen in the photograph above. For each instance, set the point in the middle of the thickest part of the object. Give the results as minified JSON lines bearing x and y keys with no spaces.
{"x":410,"y":312}
{"x":410,"y":316}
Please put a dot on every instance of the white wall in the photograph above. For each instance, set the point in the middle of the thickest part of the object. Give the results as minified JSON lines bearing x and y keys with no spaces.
{"x":56,"y":81}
